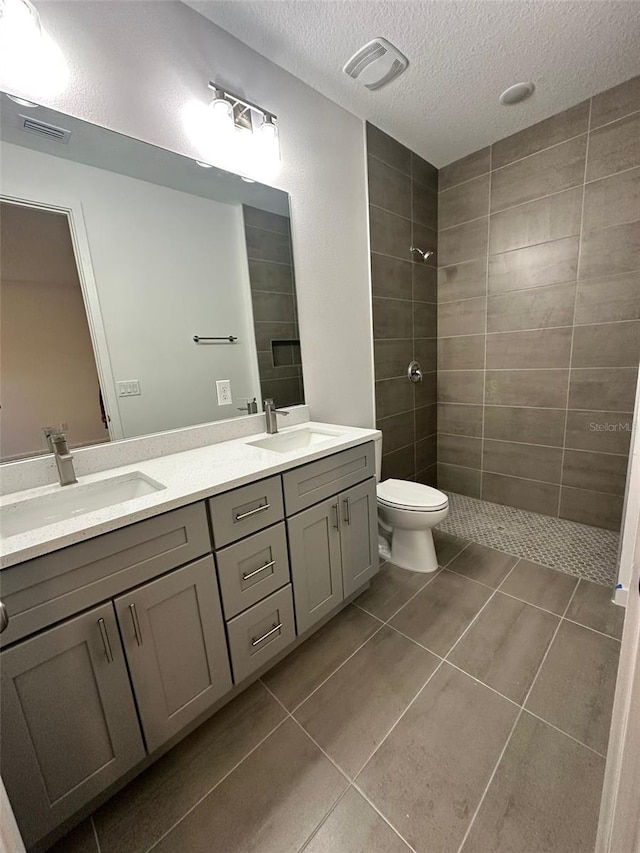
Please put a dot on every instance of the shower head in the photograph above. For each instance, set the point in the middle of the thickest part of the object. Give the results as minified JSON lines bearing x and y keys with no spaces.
{"x":422,"y":255}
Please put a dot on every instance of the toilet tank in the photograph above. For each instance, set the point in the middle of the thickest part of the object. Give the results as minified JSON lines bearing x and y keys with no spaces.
{"x":378,"y":452}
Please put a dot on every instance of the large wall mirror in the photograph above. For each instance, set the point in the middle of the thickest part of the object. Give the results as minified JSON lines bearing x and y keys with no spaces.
{"x":139,"y":290}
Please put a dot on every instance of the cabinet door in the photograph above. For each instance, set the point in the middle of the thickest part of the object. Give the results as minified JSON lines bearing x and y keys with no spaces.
{"x":175,"y":643}
{"x":359,"y":535}
{"x":314,"y":552}
{"x":69,"y":724}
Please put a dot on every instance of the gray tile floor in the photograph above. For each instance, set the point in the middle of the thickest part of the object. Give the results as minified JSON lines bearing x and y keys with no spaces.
{"x":465,"y":711}
{"x":578,"y":549}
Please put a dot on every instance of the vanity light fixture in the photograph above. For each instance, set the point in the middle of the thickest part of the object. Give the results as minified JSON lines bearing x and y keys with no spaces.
{"x":233,"y":113}
{"x":30,"y":61}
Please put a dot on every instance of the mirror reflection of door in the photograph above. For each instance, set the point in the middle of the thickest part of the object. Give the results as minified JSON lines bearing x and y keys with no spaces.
{"x":48,"y":374}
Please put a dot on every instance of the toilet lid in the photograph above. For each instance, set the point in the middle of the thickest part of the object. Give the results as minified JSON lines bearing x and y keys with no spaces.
{"x":403,"y":493}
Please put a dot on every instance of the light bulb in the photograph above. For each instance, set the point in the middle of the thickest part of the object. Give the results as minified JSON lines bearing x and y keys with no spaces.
{"x":21,"y":18}
{"x":269,"y":140}
{"x":30,"y":61}
{"x":221,"y":115}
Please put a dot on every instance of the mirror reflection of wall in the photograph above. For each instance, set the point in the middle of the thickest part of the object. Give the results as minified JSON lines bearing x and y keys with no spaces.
{"x":162,"y":251}
{"x":49,"y":373}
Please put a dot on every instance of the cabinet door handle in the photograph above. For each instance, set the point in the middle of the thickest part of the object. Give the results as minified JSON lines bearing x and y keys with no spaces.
{"x":136,"y":625}
{"x":247,"y":575}
{"x":261,"y":508}
{"x":347,"y":511}
{"x":336,"y":511}
{"x":256,"y":640}
{"x":4,"y":617}
{"x":105,"y":640}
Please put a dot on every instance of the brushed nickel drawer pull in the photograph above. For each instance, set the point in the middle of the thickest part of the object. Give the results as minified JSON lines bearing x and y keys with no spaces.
{"x":334,"y":507}
{"x":105,"y":640}
{"x":247,"y":575}
{"x":256,"y":640}
{"x":261,"y":508}
{"x":4,"y":617}
{"x":347,"y":511}
{"x":136,"y":624}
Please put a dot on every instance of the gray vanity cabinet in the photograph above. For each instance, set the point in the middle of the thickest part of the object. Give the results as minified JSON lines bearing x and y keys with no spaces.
{"x":333,"y":551}
{"x":175,"y":644}
{"x":69,"y":723}
{"x":316,"y":562}
{"x":359,"y":535}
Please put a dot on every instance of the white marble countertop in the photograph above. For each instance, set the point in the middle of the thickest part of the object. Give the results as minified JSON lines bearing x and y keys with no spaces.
{"x":189,"y":476}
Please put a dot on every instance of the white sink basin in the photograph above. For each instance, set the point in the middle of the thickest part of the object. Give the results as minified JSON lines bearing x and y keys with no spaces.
{"x":71,"y":501}
{"x":299,"y":439}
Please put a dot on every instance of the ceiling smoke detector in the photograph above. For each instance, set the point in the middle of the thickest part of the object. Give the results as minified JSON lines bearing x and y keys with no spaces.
{"x":376,"y":64}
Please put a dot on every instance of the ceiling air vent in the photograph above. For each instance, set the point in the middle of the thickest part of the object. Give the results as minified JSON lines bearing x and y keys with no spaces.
{"x":376,"y":64}
{"x":32,"y":125}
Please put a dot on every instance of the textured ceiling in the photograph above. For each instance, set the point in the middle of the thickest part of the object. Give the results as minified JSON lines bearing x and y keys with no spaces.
{"x":462,"y":56}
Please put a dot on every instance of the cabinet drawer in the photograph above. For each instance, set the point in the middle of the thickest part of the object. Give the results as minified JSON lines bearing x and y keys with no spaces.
{"x":246,"y":510}
{"x":50,"y":588}
{"x":260,"y":633}
{"x":316,"y":481}
{"x":252,"y":569}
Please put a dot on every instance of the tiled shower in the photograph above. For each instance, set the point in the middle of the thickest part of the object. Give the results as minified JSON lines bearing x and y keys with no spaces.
{"x":538,"y":320}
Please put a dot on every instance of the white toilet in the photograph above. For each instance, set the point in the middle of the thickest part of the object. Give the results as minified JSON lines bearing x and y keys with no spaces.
{"x":407,"y":512}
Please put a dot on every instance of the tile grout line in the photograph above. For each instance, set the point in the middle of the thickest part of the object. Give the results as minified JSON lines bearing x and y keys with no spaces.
{"x":486,"y":322}
{"x":562,"y":732}
{"x":518,"y":331}
{"x":219,"y":782}
{"x":319,"y":826}
{"x":350,"y":781}
{"x":513,"y":728}
{"x":575,"y":302}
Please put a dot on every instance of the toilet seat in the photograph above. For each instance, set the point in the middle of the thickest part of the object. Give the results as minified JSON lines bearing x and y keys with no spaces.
{"x":403,"y":494}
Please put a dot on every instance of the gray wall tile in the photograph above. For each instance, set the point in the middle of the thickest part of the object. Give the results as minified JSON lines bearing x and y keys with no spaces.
{"x":426,"y":239}
{"x":265,"y":219}
{"x":537,"y":388}
{"x":522,"y":460}
{"x":274,"y":278}
{"x":612,"y":201}
{"x":385,"y":148}
{"x":425,"y":392}
{"x":464,"y":202}
{"x":425,"y":350}
{"x":397,"y":431}
{"x":389,"y":188}
{"x":524,"y":494}
{"x":549,"y":171}
{"x":462,"y":281}
{"x":460,"y":450}
{"x":531,"y":426}
{"x":614,"y":147}
{"x":465,"y":169}
{"x":390,"y":234}
{"x":536,"y":349}
{"x":423,"y":172}
{"x":273,"y":307}
{"x":465,"y":317}
{"x":392,"y":318}
{"x":599,"y":472}
{"x":534,"y":266}
{"x":426,"y":421}
{"x":399,"y":465}
{"x":614,"y":297}
{"x":426,"y":452}
{"x":463,"y":481}
{"x":550,"y":218}
{"x":607,"y":345}
{"x":458,"y":419}
{"x":531,"y":309}
{"x":461,"y":353}
{"x":594,"y":508}
{"x":391,"y":277}
{"x":425,"y":283}
{"x":393,"y":396}
{"x":615,"y":103}
{"x":604,"y":432}
{"x":550,"y":131}
{"x":463,"y":242}
{"x":424,"y":208}
{"x":268,"y":245}
{"x":460,"y":386}
{"x":610,"y":250}
{"x":425,"y":320}
{"x":392,"y":358}
{"x":605,"y":388}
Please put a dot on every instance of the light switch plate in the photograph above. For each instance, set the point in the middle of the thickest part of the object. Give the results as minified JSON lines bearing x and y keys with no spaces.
{"x":128,"y":388}
{"x":223,"y":390}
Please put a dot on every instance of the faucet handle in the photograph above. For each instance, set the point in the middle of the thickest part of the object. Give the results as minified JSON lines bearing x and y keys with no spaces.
{"x":270,"y":407}
{"x":49,"y":432}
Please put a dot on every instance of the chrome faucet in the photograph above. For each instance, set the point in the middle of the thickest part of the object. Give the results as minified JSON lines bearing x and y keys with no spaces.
{"x":271,"y":416}
{"x":57,"y":442}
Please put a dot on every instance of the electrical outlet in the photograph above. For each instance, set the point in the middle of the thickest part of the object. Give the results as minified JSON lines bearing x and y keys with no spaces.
{"x":128,"y":388}
{"x":223,"y":390}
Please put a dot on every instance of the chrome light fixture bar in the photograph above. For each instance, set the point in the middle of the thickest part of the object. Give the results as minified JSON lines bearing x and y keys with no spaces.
{"x":241,"y":108}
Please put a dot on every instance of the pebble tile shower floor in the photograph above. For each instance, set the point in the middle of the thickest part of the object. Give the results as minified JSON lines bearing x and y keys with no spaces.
{"x":466,"y":711}
{"x":578,"y":549}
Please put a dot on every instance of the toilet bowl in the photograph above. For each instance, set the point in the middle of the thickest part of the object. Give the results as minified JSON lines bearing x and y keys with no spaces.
{"x":407,"y":513}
